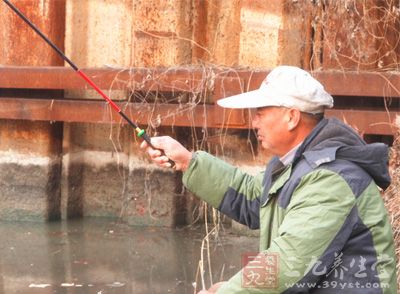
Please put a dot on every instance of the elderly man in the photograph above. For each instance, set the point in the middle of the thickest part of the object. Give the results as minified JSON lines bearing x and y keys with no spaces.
{"x":323,"y":225}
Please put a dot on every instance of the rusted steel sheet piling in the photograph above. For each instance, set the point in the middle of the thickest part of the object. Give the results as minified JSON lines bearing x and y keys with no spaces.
{"x":30,"y":162}
{"x":20,"y":44}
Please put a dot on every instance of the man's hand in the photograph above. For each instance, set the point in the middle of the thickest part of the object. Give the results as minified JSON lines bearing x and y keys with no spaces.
{"x":173,"y":150}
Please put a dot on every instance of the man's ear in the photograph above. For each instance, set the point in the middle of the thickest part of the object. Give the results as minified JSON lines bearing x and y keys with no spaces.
{"x":293,"y":118}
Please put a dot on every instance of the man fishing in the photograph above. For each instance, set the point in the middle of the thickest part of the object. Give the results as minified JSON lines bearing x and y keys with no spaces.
{"x":323,"y":225}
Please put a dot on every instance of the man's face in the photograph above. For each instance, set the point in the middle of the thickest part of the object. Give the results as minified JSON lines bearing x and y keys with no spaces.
{"x":271,"y":126}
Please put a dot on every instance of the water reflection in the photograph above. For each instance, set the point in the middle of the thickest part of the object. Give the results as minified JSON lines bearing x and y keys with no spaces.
{"x":101,"y":256}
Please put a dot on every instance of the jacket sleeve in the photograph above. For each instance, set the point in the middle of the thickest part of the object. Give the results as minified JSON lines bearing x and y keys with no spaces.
{"x":225,"y":187}
{"x":321,"y":206}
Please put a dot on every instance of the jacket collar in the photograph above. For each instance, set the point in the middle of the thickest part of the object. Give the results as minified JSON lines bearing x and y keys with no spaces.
{"x":317,"y":157}
{"x":309,"y":139}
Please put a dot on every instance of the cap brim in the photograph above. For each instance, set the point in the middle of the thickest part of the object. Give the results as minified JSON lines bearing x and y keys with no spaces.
{"x":252,"y":99}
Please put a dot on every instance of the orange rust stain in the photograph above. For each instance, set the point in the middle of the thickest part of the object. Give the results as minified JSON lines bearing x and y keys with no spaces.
{"x":20,"y":44}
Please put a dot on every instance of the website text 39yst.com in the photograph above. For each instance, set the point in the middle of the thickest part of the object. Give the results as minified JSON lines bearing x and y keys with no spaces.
{"x":338,"y":285}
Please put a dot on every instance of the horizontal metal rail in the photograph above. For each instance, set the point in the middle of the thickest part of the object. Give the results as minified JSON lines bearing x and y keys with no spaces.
{"x":192,"y":79}
{"x":200,"y":115}
{"x":209,"y":82}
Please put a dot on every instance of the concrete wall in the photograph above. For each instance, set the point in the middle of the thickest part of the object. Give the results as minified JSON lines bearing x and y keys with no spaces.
{"x":30,"y":169}
{"x":105,"y":175}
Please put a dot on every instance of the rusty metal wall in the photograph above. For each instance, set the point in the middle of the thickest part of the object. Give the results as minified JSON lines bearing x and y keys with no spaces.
{"x":343,"y":34}
{"x":175,"y":32}
{"x":20,"y":45}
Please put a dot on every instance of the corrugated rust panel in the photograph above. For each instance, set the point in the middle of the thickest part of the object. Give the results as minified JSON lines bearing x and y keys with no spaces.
{"x":297,"y":35}
{"x":200,"y":25}
{"x":211,"y":116}
{"x":259,"y":31}
{"x":350,"y":34}
{"x":161,"y":30}
{"x":389,"y":29}
{"x":20,"y":44}
{"x":216,"y":30}
{"x":360,"y":35}
{"x":341,"y":34}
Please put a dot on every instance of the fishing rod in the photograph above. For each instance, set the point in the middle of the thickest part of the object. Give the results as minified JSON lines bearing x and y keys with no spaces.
{"x":141,"y":133}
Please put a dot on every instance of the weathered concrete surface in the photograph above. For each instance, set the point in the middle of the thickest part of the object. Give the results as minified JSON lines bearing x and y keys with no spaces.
{"x":151,"y":198}
{"x":105,"y":174}
{"x":95,"y":184}
{"x":29,"y":190}
{"x":30,"y":169}
{"x":94,"y":170}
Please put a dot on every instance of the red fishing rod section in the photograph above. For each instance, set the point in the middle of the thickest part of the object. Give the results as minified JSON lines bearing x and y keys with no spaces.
{"x":139,"y":132}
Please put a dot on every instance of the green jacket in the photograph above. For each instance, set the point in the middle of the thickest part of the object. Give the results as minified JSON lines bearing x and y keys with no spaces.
{"x":323,"y":225}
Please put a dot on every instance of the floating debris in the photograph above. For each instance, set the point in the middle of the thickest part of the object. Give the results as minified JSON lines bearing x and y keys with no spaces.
{"x":84,"y":262}
{"x":67,"y":284}
{"x":116,"y":285}
{"x":39,"y":285}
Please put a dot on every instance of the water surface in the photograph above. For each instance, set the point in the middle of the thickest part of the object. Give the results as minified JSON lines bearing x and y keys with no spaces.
{"x":104,"y":256}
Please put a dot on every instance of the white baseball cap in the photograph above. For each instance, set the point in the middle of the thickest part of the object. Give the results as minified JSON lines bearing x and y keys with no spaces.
{"x":285,"y":86}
